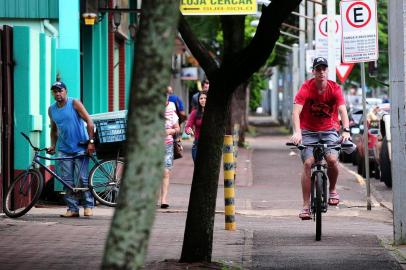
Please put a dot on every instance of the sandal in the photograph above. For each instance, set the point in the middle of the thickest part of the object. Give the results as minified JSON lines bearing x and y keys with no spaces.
{"x":305,"y":214}
{"x":333,"y":198}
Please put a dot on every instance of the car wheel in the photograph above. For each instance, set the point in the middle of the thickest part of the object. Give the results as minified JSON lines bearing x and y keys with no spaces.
{"x":386,"y":173}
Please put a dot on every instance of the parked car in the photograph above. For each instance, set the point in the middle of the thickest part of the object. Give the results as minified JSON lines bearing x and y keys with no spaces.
{"x":373,"y":133}
{"x":385,"y":151}
{"x":377,"y":143}
{"x":354,"y":116}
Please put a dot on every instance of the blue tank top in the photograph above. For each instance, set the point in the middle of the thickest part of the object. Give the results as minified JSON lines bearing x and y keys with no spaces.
{"x":71,"y":128}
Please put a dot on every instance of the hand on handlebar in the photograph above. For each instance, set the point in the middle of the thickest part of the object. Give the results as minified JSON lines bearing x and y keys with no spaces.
{"x":296,"y":138}
{"x":51,"y":150}
{"x":345,"y":136}
{"x":91,"y":149}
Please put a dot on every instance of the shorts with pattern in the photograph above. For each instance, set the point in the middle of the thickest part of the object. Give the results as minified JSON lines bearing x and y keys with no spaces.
{"x":169,"y":156}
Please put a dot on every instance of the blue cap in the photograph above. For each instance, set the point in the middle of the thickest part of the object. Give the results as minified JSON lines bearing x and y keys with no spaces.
{"x":58,"y":85}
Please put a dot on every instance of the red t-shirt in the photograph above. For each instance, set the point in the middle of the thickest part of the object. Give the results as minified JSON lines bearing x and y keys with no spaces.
{"x":320,"y":111}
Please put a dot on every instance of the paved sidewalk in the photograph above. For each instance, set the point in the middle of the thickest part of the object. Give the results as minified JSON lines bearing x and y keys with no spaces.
{"x":269,"y":235}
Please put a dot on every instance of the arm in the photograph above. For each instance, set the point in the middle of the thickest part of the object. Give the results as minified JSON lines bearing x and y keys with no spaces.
{"x":297,"y":133}
{"x":90,"y":126}
{"x":342,"y":110}
{"x":190,"y":123}
{"x":53,"y":134}
{"x":174,"y":130}
{"x":180,"y":110}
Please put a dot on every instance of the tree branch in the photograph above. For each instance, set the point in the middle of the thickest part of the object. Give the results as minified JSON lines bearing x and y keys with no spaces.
{"x":206,"y":61}
{"x":244,"y":63}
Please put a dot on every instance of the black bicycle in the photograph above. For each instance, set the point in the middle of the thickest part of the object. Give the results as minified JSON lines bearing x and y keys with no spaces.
{"x":318,"y":195}
{"x":24,"y":192}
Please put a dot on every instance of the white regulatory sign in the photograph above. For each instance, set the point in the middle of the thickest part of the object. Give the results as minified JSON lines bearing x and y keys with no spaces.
{"x":359,"y":31}
{"x":321,"y":37}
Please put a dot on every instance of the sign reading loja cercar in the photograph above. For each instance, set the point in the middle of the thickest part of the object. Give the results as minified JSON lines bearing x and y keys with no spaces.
{"x":360,"y":34}
{"x":218,"y":7}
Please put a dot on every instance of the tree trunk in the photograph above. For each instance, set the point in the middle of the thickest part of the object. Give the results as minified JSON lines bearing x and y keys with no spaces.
{"x":235,"y":69}
{"x":239,"y":112}
{"x":127,"y":240}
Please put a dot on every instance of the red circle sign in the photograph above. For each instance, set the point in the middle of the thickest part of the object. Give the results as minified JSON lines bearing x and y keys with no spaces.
{"x":347,"y":15}
{"x":321,"y":30}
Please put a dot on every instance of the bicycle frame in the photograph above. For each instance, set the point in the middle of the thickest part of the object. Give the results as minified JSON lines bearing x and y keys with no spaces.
{"x":319,"y":167}
{"x":37,"y":160}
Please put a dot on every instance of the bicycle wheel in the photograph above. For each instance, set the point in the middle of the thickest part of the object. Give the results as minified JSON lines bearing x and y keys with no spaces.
{"x":23,"y":193}
{"x":105,"y":180}
{"x":319,"y":191}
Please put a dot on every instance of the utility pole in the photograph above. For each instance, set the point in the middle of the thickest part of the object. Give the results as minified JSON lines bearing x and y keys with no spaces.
{"x":397,"y":72}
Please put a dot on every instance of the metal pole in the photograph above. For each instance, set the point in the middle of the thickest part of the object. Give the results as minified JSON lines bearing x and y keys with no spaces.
{"x":331,"y":26}
{"x":302,"y":41}
{"x":364,"y":108}
{"x":229,"y":183}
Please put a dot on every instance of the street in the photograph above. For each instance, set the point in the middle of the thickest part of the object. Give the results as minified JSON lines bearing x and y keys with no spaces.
{"x":269,"y":233}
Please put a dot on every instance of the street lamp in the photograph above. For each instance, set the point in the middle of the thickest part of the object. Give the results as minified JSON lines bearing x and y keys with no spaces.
{"x":102,"y":7}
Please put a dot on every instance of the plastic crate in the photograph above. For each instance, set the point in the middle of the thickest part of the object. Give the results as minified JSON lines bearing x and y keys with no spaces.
{"x":110,"y":137}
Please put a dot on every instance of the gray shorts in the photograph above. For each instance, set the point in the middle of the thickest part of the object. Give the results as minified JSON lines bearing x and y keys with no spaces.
{"x":328,"y":137}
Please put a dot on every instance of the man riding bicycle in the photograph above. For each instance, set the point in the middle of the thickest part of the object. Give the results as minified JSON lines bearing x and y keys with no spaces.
{"x":316,"y":107}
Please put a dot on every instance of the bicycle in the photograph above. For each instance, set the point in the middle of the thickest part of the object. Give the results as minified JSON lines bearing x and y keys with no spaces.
{"x":25,"y":190}
{"x":318,"y":192}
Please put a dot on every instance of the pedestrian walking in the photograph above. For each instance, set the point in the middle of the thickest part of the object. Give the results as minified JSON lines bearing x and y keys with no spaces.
{"x":172,"y":129}
{"x":195,"y":97}
{"x":194,"y":122}
{"x":180,"y":111}
{"x":316,"y":107}
{"x":68,"y":133}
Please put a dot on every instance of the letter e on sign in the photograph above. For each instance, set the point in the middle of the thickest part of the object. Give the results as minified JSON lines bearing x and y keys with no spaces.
{"x":359,"y":31}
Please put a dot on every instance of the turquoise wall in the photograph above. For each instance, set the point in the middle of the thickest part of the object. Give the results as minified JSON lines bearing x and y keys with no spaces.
{"x":68,"y":51}
{"x":95,"y":67}
{"x":27,"y":113}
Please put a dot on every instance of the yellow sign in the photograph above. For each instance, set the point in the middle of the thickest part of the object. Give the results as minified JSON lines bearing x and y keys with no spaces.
{"x":218,"y":7}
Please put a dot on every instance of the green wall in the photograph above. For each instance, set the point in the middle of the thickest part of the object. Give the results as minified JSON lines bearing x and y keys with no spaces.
{"x":27,"y":93}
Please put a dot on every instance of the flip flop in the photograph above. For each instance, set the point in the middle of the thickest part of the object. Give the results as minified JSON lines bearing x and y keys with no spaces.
{"x":333,"y":198}
{"x":305,"y":214}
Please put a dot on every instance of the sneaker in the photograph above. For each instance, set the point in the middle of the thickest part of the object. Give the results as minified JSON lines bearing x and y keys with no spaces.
{"x":88,"y":212}
{"x":70,"y":214}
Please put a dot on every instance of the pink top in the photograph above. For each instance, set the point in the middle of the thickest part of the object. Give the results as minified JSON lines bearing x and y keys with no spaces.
{"x":171,"y":118}
{"x":194,"y":123}
{"x":320,"y":111}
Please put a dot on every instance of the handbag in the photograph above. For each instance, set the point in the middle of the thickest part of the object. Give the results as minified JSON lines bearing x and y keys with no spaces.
{"x":177,"y":147}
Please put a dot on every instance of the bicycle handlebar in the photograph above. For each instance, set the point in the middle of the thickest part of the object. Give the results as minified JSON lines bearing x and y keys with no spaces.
{"x":34,"y":147}
{"x":336,"y":146}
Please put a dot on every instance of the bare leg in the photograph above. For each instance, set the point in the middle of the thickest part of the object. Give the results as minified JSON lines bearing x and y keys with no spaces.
{"x":332,"y":171}
{"x":165,"y":187}
{"x":306,"y":183}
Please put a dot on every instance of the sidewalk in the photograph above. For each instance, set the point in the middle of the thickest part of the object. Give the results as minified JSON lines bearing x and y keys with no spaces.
{"x":269,"y":235}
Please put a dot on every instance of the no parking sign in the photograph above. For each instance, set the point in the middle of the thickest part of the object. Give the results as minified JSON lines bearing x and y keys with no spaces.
{"x":359,"y":31}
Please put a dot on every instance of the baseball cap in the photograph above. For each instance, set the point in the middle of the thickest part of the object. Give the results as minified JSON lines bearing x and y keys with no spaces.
{"x":58,"y":85}
{"x":319,"y":61}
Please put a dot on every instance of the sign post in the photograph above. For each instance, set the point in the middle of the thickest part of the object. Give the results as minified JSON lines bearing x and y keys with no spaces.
{"x":360,"y":44}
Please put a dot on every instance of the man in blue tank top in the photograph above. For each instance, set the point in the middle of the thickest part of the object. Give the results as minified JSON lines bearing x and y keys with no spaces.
{"x":67,"y":133}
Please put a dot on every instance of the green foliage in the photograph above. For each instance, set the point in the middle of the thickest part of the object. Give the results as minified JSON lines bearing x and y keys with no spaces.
{"x":257,"y":83}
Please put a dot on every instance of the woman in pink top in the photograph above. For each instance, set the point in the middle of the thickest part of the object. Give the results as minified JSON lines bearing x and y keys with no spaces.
{"x":194,"y":123}
{"x":171,"y":128}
